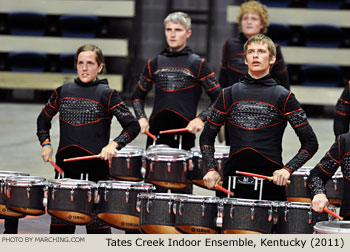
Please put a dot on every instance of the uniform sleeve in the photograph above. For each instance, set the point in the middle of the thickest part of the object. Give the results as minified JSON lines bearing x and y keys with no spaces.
{"x":130,"y":125}
{"x":296,"y":116}
{"x":279,"y":70}
{"x":47,"y":113}
{"x":223,"y":67}
{"x":210,"y":85}
{"x":216,"y":119}
{"x":144,"y":85}
{"x":325,"y":169}
{"x":342,"y":112}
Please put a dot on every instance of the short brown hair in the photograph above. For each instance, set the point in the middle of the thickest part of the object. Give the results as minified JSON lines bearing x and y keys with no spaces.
{"x":98,"y":55}
{"x":255,"y":7}
{"x":261,"y":39}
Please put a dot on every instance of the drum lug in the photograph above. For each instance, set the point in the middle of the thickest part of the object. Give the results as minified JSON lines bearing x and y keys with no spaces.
{"x":105,"y":195}
{"x":335,"y":184}
{"x":219,"y":164}
{"x":28,"y":192}
{"x":270,"y":215}
{"x":170,"y":204}
{"x":174,"y":208}
{"x":190,"y":165}
{"x":97,"y":197}
{"x":151,"y":166}
{"x":232,"y":211}
{"x":220,"y":211}
{"x":252,"y":213}
{"x":305,"y":182}
{"x":169,"y":166}
{"x":199,"y":163}
{"x":310,"y":216}
{"x":275,"y":216}
{"x":127,"y":197}
{"x":148,"y":205}
{"x":138,"y":205}
{"x":181,"y":206}
{"x":185,"y":166}
{"x":8,"y":192}
{"x":72,"y":195}
{"x":89,"y":196}
{"x":286,"y":215}
{"x":53,"y":194}
{"x":1,"y":189}
{"x":128,"y":163}
{"x":203,"y":209}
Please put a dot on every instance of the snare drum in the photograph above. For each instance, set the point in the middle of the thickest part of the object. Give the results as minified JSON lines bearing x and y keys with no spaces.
{"x":71,"y":200}
{"x":298,"y":191}
{"x":200,"y":167}
{"x":127,"y":164}
{"x":117,"y":202}
{"x":168,"y":167}
{"x":196,"y":214}
{"x":157,"y":212}
{"x":332,"y":227}
{"x":25,"y":194}
{"x":4,"y":211}
{"x":245,"y":216}
{"x":297,"y":218}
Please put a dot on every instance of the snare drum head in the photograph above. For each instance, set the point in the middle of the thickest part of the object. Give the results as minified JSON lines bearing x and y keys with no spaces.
{"x":167,"y":154}
{"x":70,"y":183}
{"x":5,"y":174}
{"x":25,"y":180}
{"x":332,"y":227}
{"x":129,"y":151}
{"x":125,"y":185}
{"x":158,"y":146}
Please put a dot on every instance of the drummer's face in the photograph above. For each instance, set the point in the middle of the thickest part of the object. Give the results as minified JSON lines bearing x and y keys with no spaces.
{"x":87,"y":66}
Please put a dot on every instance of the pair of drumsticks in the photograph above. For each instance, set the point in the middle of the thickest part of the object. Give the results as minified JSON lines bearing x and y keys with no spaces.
{"x":165,"y":132}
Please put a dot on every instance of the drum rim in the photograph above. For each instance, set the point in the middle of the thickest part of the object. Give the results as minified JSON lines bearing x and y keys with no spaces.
{"x":162,"y":196}
{"x":109,"y":184}
{"x":184,"y":154}
{"x":4,"y":176}
{"x":23,"y":181}
{"x":69,"y":183}
{"x":129,"y":151}
{"x":245,"y":202}
{"x":319,"y":227}
{"x":199,"y":199}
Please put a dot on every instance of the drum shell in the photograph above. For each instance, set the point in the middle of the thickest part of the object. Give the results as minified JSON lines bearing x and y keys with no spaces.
{"x":127,"y":166}
{"x":178,"y":177}
{"x":80,"y":206}
{"x":241,"y":218}
{"x":335,"y":190}
{"x":294,"y":219}
{"x":298,"y":190}
{"x":119,"y":201}
{"x":196,"y":217}
{"x":32,"y":205}
{"x":332,"y":227}
{"x":159,"y":213}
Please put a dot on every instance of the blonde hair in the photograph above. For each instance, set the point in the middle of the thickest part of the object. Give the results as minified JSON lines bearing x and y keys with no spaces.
{"x":261,"y":39}
{"x":179,"y":18}
{"x":255,"y":7}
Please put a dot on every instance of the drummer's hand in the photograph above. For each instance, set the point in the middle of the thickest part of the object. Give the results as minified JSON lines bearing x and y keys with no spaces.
{"x":144,"y":125}
{"x":211,"y":179}
{"x":46,"y":153}
{"x":108,"y":152}
{"x":280,"y":177}
{"x":195,"y":125}
{"x":319,"y":202}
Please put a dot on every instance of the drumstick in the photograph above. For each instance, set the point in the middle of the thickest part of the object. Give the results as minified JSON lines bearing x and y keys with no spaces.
{"x":326,"y":210}
{"x":150,"y":135}
{"x":81,"y":158}
{"x":58,"y":169}
{"x":257,"y":175}
{"x":173,"y":131}
{"x":220,"y":188}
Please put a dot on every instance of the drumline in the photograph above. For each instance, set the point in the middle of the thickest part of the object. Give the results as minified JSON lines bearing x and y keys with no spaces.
{"x":125,"y":202}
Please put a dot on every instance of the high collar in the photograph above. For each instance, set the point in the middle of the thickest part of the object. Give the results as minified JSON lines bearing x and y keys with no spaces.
{"x":169,"y":53}
{"x":91,"y":83}
{"x":242,"y":37}
{"x":266,"y":80}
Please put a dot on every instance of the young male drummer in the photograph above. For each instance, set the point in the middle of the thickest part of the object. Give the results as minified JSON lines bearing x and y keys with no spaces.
{"x":257,"y":110}
{"x":179,"y":76}
{"x":338,"y":155}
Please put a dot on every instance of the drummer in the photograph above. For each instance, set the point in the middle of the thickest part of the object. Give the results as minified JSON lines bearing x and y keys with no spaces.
{"x":257,"y":110}
{"x":338,"y":155}
{"x":86,"y":107}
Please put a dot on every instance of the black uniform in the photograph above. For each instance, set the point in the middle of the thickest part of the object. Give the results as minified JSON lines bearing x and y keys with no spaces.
{"x":257,"y":112}
{"x":342,"y":112}
{"x":178,"y":78}
{"x":85,"y":113}
{"x":338,"y":155}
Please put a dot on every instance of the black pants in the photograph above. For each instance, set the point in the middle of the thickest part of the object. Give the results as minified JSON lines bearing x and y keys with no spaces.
{"x":11,"y":226}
